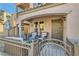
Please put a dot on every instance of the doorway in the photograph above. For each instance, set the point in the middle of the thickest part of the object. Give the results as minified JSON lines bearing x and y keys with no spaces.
{"x":57,"y":29}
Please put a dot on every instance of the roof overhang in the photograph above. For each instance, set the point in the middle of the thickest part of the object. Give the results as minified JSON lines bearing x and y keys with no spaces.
{"x":43,"y":15}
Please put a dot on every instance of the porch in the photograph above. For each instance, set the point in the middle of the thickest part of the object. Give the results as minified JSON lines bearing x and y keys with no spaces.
{"x":47,"y":47}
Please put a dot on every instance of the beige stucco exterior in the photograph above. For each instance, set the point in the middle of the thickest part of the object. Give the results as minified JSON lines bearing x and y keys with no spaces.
{"x":66,"y":12}
{"x":71,"y":12}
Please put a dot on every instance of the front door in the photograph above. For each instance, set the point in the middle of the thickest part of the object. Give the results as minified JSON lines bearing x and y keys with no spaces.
{"x":57,"y":29}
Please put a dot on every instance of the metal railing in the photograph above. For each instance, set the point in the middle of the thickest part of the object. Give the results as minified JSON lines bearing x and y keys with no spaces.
{"x":15,"y":48}
{"x":70,"y":44}
{"x":45,"y":6}
{"x":35,"y":47}
{"x":39,"y":44}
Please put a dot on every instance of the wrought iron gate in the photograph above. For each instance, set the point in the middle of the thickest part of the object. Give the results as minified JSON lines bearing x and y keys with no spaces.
{"x":52,"y":47}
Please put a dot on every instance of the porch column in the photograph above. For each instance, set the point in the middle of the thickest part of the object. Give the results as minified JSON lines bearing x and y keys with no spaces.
{"x":31,"y":28}
{"x":38,"y":27}
{"x":20,"y":29}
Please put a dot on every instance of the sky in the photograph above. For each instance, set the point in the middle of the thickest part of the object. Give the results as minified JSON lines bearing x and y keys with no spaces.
{"x":8,"y":7}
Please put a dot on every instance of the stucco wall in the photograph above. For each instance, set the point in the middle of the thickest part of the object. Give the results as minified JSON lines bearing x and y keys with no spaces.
{"x":73,"y":22}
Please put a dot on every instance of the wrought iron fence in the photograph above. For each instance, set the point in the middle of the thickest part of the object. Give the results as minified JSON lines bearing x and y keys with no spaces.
{"x":39,"y":44}
{"x":35,"y":47}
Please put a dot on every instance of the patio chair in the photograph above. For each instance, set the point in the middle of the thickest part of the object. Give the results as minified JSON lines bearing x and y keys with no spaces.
{"x":44,"y":35}
{"x":32,"y":37}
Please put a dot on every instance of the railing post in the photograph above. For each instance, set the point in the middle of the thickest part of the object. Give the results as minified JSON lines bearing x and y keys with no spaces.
{"x":76,"y":50}
{"x":71,"y":51}
{"x":31,"y":50}
{"x":65,"y":47}
{"x":38,"y":49}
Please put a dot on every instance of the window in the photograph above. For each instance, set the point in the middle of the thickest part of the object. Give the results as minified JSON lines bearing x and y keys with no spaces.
{"x":36,"y":26}
{"x":37,"y":4}
{"x":41,"y":26}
